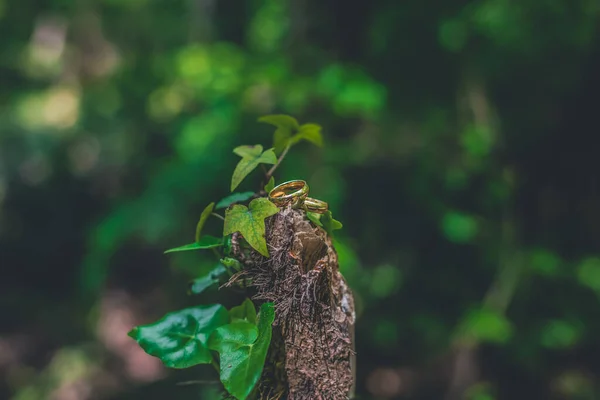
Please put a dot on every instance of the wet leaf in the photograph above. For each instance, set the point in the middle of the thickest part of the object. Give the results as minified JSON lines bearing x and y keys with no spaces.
{"x":180,"y":338}
{"x":250,"y":222}
{"x":252,"y":156}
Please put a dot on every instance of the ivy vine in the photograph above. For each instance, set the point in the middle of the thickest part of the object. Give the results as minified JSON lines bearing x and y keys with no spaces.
{"x":234,"y":341}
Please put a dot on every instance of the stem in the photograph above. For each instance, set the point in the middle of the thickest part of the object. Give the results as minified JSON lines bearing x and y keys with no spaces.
{"x":218,"y":216}
{"x":274,"y":167}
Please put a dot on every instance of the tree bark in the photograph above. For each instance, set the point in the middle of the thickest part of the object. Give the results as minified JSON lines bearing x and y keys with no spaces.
{"x":312,"y":350}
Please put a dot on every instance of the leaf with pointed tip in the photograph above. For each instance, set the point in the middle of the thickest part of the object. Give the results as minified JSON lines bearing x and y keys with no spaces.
{"x":203,"y":217}
{"x":315,"y":218}
{"x":252,"y":156}
{"x":206,"y":242}
{"x":245,"y":312}
{"x":281,"y":121}
{"x":242,"y":348}
{"x":250,"y":222}
{"x":180,"y":338}
{"x":270,"y":185}
{"x":329,"y":223}
{"x":233,"y":198}
{"x":231,"y":264}
{"x":310,"y":133}
{"x":199,"y":285}
{"x":286,"y":127}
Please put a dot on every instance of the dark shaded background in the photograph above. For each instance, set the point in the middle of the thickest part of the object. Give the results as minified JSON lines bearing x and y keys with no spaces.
{"x":461,"y":155}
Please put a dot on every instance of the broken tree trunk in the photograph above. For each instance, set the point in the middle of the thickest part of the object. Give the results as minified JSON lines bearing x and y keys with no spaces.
{"x":312,"y":350}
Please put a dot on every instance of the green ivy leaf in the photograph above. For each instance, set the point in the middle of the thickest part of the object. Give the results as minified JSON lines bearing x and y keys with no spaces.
{"x":315,"y":218}
{"x":281,"y":121}
{"x":203,"y":217}
{"x":286,"y":126}
{"x":252,"y":156}
{"x":310,"y":133}
{"x":289,"y":132}
{"x":270,"y":185}
{"x":329,"y":223}
{"x":243,"y":347}
{"x":250,"y":222}
{"x":233,"y":198}
{"x":199,"y":285}
{"x":245,"y":312}
{"x":180,"y":338}
{"x":206,"y":242}
{"x":231,"y":264}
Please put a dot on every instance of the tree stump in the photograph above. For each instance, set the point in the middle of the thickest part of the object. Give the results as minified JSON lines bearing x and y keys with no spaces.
{"x":312,"y":350}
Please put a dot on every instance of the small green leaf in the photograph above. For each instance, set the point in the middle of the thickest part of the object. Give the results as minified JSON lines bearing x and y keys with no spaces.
{"x":286,"y":126}
{"x":231,"y":264}
{"x":243,"y":351}
{"x":233,"y":198}
{"x":180,"y":338}
{"x":270,"y":185}
{"x":281,"y":121}
{"x":206,"y":242}
{"x":245,"y":312}
{"x":329,"y":223}
{"x":315,"y":218}
{"x":203,"y":217}
{"x":310,"y":133}
{"x":252,"y":156}
{"x":199,"y":285}
{"x":289,"y":132}
{"x":250,"y":222}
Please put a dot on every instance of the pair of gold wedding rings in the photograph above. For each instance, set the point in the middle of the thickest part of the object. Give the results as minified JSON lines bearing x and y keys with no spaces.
{"x":295,"y":194}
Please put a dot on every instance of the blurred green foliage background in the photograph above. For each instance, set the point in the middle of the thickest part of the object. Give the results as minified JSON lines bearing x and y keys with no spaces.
{"x":461,"y":154}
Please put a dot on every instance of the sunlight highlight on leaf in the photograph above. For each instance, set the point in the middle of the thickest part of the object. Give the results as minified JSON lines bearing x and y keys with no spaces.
{"x":180,"y":338}
{"x":252,"y":156}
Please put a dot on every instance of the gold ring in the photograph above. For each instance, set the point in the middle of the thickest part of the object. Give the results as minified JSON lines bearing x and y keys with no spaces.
{"x":289,"y":193}
{"x":315,"y":206}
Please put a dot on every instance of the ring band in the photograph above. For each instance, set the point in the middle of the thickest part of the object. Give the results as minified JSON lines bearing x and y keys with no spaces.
{"x":315,"y":206}
{"x":289,"y":193}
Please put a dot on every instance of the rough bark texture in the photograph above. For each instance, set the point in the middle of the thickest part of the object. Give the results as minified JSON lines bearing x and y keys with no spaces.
{"x":311,"y":355}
